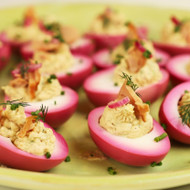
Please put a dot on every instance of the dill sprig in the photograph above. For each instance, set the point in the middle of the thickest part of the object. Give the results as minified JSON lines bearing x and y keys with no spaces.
{"x":129,"y":81}
{"x":41,"y":113}
{"x":15,"y":103}
{"x":184,"y":111}
{"x":24,"y":69}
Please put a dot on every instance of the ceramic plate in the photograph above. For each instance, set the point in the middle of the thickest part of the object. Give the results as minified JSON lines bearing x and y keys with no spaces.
{"x":88,"y":170}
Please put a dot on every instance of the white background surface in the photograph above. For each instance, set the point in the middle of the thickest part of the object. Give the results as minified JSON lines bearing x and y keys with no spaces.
{"x":181,"y":4}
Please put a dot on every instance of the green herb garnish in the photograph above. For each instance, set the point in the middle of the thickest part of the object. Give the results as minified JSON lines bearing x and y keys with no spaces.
{"x":67,"y":159}
{"x":69,"y":73}
{"x":56,"y":29}
{"x":15,"y":104}
{"x":51,"y":77}
{"x":24,"y":69}
{"x":129,"y":81}
{"x":186,"y":91}
{"x":55,"y":102}
{"x":127,"y":43}
{"x":118,"y":59}
{"x":177,"y":28}
{"x":164,"y":126}
{"x":184,"y":111}
{"x":59,"y":37}
{"x":41,"y":113}
{"x":147,"y":102}
{"x":115,"y":84}
{"x":153,"y":164}
{"x":48,"y":155}
{"x":161,"y":137}
{"x":111,"y":171}
{"x":147,"y":54}
{"x":62,"y":92}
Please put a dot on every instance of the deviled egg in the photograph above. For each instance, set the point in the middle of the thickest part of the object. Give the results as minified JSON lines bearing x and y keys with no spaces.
{"x":175,"y":38}
{"x":38,"y":89}
{"x":125,"y":131}
{"x":26,"y":142}
{"x":139,"y":63}
{"x":71,"y":70}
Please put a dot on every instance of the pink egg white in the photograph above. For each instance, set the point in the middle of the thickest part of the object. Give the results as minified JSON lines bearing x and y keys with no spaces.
{"x":170,"y":116}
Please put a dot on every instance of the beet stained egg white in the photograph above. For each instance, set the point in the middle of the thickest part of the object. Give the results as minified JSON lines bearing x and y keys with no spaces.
{"x":179,"y":68}
{"x":113,"y":130}
{"x":82,"y":46}
{"x":39,"y":89}
{"x":174,"y":113}
{"x":31,"y":141}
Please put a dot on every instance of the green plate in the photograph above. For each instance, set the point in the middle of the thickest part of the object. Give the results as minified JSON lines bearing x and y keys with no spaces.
{"x":83,"y":172}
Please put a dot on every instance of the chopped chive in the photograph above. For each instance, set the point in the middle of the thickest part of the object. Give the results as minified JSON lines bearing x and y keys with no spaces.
{"x":47,"y":155}
{"x":52,"y":77}
{"x":43,"y":110}
{"x":153,"y":164}
{"x":14,"y":106}
{"x":147,"y":54}
{"x":161,"y":137}
{"x":69,"y":73}
{"x":67,"y":159}
{"x":115,"y":84}
{"x":15,"y":103}
{"x":111,"y":171}
{"x":148,"y":102}
{"x":186,"y":91}
{"x":127,"y":43}
{"x":164,"y":126}
{"x":62,"y":92}
{"x":177,"y":28}
{"x":55,"y":102}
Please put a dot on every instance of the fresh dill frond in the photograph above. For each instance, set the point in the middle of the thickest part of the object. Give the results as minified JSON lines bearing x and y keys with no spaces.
{"x":24,"y":69}
{"x":15,"y":103}
{"x":184,"y":112}
{"x":41,"y":113}
{"x":129,"y":81}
